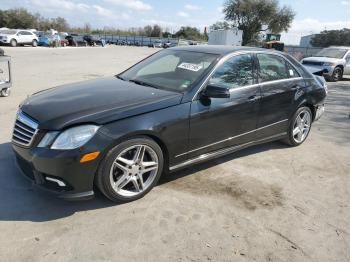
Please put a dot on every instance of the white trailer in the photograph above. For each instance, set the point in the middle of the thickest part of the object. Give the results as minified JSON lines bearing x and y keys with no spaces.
{"x":231,"y":37}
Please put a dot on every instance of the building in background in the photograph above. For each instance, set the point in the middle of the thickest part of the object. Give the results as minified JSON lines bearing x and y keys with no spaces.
{"x":231,"y":37}
{"x":305,"y":41}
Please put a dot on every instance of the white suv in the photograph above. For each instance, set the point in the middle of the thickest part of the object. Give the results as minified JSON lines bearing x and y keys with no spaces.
{"x":333,"y":61}
{"x":18,"y":37}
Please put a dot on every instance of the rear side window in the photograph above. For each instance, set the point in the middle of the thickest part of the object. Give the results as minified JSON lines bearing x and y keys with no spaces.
{"x":272,"y":68}
{"x":235,"y":72}
{"x":291,"y":71}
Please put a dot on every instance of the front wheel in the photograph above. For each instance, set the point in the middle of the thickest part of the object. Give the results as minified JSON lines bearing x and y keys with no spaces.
{"x":13,"y":42}
{"x":337,"y":74}
{"x":299,"y":127}
{"x":130,"y":170}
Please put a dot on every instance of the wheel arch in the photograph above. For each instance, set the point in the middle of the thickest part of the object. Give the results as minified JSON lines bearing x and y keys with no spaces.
{"x":147,"y":134}
{"x":309,"y":105}
{"x":340,"y":66}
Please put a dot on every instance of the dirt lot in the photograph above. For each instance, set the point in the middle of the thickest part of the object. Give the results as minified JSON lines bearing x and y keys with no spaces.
{"x":266,"y":203}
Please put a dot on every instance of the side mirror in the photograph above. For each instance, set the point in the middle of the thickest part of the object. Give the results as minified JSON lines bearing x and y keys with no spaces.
{"x":213,"y":91}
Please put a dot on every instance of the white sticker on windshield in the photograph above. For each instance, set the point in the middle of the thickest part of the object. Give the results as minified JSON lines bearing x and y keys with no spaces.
{"x":191,"y":67}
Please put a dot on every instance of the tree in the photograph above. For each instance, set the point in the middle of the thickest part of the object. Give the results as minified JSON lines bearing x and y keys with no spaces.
{"x":332,"y":37}
{"x":17,"y":18}
{"x":87,"y":28}
{"x":251,"y":15}
{"x":156,"y":31}
{"x":190,"y":33}
{"x":148,"y":30}
{"x":220,"y":26}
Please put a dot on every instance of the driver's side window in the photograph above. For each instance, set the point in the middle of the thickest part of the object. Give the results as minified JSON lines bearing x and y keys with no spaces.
{"x":235,"y":72}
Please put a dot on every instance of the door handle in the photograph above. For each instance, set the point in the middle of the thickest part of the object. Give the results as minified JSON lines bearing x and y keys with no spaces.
{"x":296,"y":87}
{"x":253,"y":98}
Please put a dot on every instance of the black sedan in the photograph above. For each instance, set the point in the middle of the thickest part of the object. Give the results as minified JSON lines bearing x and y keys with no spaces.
{"x":179,"y":107}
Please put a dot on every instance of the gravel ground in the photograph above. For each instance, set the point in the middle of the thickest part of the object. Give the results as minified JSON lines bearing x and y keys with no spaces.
{"x":266,"y":203}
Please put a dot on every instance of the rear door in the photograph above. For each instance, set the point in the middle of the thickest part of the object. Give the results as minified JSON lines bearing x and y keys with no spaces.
{"x":216,"y":123}
{"x":281,"y":85}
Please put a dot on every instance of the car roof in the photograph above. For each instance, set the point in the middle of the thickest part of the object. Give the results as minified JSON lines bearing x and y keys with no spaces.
{"x":218,"y":49}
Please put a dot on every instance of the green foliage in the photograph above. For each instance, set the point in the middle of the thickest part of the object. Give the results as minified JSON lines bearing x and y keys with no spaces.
{"x":17,"y":18}
{"x":220,"y":25}
{"x":190,"y":33}
{"x":332,"y":37}
{"x":251,"y":15}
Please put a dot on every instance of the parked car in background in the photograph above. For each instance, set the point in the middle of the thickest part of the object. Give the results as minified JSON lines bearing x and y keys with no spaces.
{"x":93,"y":40}
{"x":14,"y":37}
{"x":157,"y":44}
{"x":169,"y":44}
{"x":45,"y":39}
{"x":176,"y":108}
{"x":64,"y":41}
{"x":333,"y":61}
{"x":76,"y":40}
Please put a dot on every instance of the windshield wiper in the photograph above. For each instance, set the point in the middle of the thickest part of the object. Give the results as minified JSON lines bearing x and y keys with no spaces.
{"x":141,"y":83}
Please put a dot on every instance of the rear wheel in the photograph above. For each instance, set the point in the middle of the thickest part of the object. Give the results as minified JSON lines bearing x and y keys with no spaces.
{"x":13,"y":42}
{"x":130,"y":170}
{"x":299,"y":127}
{"x":34,"y":43}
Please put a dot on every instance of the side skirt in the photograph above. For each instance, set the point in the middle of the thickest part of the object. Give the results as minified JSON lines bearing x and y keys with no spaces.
{"x":225,"y":151}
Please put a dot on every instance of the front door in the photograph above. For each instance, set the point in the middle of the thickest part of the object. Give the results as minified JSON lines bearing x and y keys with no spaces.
{"x":216,"y":123}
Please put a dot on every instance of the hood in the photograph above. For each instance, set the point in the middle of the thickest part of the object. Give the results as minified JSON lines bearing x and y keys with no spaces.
{"x":315,"y":70}
{"x":322,"y":59}
{"x":97,"y":101}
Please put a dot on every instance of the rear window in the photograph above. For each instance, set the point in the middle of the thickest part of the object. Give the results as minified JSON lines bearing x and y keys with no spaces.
{"x":8,"y":32}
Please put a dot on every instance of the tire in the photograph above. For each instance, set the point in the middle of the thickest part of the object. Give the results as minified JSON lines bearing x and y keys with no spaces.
{"x":337,"y":74}
{"x":5,"y":92}
{"x":34,"y":43}
{"x":13,"y":42}
{"x":298,"y":131}
{"x":122,"y":179}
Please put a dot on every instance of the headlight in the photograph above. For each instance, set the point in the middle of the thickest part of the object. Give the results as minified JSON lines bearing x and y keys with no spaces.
{"x":71,"y":138}
{"x":328,"y":64}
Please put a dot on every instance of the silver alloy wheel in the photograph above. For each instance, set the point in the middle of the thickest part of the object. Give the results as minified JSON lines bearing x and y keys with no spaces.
{"x":134,"y":170}
{"x":302,"y":126}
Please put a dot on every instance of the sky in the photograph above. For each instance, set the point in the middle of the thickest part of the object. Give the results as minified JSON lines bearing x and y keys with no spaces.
{"x":311,"y":16}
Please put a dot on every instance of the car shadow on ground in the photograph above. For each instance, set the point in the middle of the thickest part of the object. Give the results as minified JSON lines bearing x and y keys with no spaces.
{"x":21,"y":202}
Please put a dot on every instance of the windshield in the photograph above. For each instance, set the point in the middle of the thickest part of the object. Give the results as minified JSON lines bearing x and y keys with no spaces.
{"x":170,"y":70}
{"x":332,"y":53}
{"x":8,"y":32}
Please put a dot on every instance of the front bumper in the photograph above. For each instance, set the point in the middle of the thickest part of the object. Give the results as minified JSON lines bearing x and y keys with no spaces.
{"x":60,"y":172}
{"x":326,"y":70}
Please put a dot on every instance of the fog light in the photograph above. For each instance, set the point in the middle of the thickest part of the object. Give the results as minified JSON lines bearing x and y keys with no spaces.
{"x":89,"y":157}
{"x":58,"y":182}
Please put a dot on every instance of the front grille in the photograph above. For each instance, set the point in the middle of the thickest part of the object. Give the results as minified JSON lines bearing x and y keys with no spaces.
{"x":313,"y":63}
{"x":25,"y":130}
